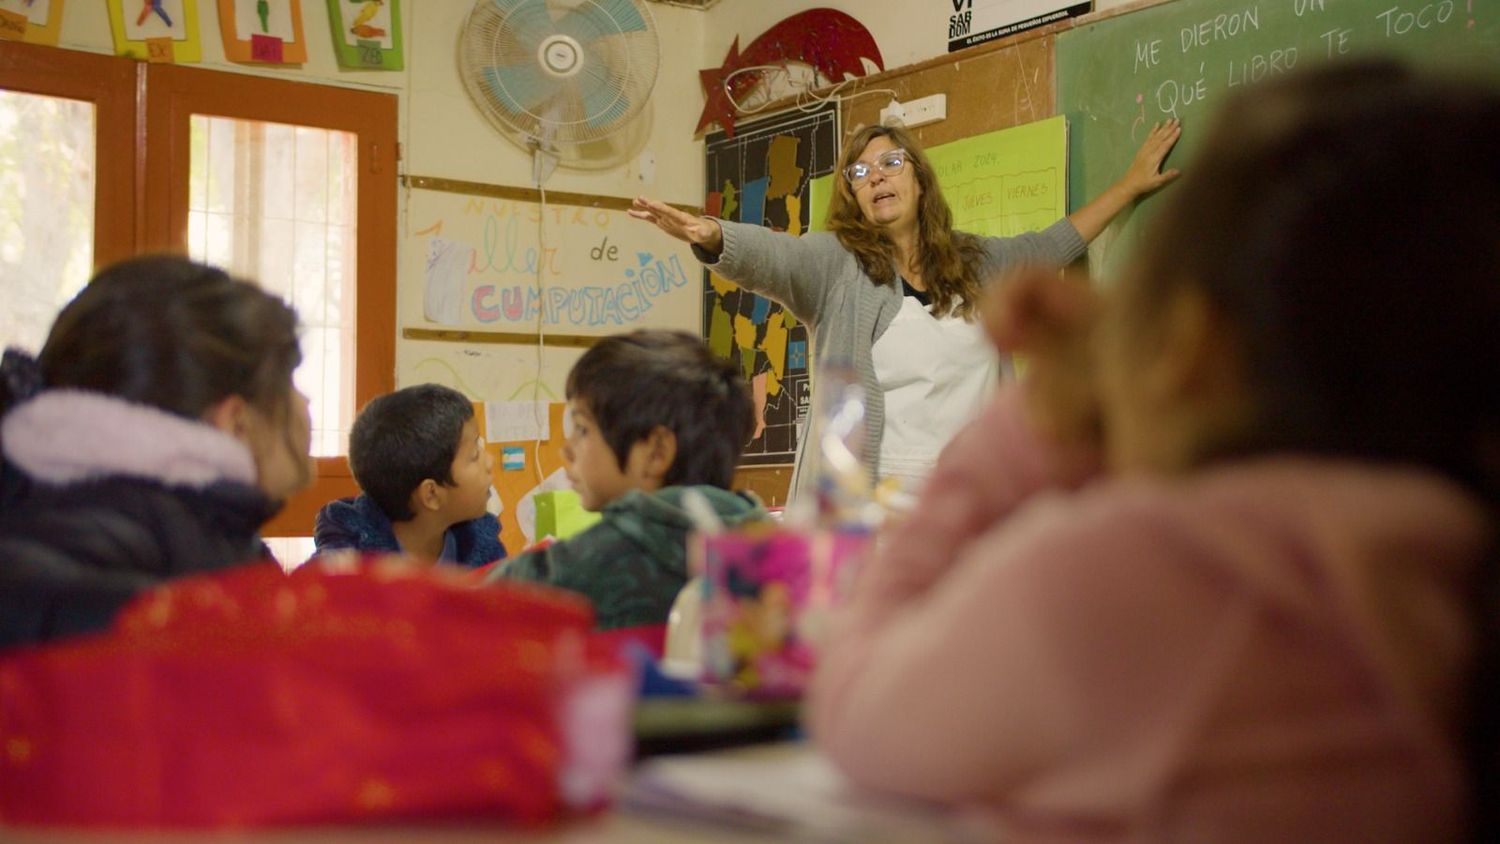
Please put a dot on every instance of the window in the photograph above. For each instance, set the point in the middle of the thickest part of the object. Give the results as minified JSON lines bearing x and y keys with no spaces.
{"x":277,"y":203}
{"x":46,"y":209}
{"x":67,"y":178}
{"x":290,"y":183}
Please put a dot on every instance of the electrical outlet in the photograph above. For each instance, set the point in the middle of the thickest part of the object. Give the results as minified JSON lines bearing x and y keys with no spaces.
{"x":928,"y":109}
{"x":893,"y":114}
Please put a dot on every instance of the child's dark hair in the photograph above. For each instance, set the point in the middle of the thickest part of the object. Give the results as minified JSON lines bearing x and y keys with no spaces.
{"x":1346,"y":223}
{"x":631,"y":383}
{"x":403,"y":438}
{"x":164,"y":331}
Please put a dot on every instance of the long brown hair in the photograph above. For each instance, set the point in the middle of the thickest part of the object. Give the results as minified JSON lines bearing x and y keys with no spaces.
{"x":949,"y":260}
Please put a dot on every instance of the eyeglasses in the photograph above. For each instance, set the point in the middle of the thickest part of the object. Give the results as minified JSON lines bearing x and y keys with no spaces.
{"x":890,"y":163}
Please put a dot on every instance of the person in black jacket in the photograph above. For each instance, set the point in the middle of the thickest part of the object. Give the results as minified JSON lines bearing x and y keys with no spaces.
{"x":154,"y":434}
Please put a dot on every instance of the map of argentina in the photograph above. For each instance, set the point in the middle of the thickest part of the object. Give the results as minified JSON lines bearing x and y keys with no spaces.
{"x":762,"y":176}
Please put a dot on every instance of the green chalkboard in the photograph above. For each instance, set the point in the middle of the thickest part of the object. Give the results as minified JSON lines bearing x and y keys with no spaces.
{"x":1120,"y":74}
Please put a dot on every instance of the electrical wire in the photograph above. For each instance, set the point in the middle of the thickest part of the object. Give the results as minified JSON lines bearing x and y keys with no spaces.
{"x":539,"y":416}
{"x":805,"y":101}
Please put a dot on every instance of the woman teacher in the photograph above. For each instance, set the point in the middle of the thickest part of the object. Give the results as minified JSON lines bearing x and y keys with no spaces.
{"x":891,"y":289}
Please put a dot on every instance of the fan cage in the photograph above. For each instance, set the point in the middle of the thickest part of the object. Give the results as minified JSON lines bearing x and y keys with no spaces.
{"x":505,"y":74}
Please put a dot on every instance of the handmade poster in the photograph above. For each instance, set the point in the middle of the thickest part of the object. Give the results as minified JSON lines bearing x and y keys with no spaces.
{"x":154,"y":30}
{"x":262,"y":31}
{"x":977,"y":21}
{"x":366,"y":33}
{"x":33,"y":21}
{"x":1006,"y":182}
{"x":767,"y":174}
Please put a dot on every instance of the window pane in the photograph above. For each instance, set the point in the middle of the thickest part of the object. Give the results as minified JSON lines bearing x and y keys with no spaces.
{"x":276,"y":203}
{"x":46,"y":211}
{"x":291,"y":551}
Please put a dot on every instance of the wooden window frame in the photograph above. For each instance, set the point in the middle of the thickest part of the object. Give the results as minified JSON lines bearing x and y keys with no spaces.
{"x":143,"y":117}
{"x":110,"y":84}
{"x":175,"y":94}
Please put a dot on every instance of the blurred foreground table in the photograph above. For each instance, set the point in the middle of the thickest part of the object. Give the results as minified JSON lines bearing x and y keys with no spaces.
{"x":753,"y":795}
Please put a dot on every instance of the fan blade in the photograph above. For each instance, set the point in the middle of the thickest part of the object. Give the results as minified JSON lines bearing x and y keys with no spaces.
{"x":601,"y":17}
{"x":519,"y":87}
{"x":603,"y":101}
{"x":528,"y":20}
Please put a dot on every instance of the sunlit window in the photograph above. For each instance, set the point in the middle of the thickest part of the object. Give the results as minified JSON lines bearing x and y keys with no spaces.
{"x":46,"y":211}
{"x":277,"y":204}
{"x":291,"y":551}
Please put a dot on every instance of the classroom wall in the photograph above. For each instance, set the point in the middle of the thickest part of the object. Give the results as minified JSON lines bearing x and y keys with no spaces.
{"x":906,"y":32}
{"x":448,"y":138}
{"x":444,"y":136}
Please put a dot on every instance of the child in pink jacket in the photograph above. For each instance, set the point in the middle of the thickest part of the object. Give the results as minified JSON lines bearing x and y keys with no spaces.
{"x":1211,"y":574}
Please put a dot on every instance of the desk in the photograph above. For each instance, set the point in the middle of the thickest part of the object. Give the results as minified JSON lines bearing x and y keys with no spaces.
{"x":787,"y":789}
{"x":612,"y":828}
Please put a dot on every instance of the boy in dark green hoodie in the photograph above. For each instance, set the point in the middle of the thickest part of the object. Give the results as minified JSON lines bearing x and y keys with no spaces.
{"x":653,"y":414}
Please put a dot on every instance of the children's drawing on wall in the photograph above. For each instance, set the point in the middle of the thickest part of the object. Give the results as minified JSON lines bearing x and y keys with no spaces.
{"x":267,"y":31}
{"x":487,"y":371}
{"x":598,"y":277}
{"x":763,"y":175}
{"x":443,"y":280}
{"x":366,"y":33}
{"x":154,"y":30}
{"x":36,"y":21}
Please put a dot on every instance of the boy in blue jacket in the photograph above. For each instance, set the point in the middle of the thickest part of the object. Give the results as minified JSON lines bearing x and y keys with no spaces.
{"x":654,"y":414}
{"x":425,"y":474}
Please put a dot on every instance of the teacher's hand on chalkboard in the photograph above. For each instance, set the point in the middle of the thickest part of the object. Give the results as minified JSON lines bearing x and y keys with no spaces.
{"x":689,"y":228}
{"x":1143,"y":176}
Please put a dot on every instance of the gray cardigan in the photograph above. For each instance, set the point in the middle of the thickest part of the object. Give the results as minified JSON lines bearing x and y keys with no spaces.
{"x":822,"y":284}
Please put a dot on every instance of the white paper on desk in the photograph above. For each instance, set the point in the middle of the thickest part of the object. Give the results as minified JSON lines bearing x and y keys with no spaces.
{"x":516,"y":421}
{"x":443,"y":280}
{"x":789,"y":791}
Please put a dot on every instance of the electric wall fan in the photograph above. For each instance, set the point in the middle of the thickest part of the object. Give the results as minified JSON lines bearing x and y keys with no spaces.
{"x":560,"y":77}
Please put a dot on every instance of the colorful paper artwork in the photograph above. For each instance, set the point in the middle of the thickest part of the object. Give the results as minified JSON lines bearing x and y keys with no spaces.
{"x":366,"y":33}
{"x":34,"y":21}
{"x":154,"y":30}
{"x":262,"y":31}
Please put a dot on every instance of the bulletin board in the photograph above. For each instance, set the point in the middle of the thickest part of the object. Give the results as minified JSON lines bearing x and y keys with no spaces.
{"x":524,"y":465}
{"x":997,"y":85}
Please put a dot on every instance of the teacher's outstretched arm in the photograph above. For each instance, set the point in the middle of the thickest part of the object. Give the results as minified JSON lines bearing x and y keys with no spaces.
{"x":1143,"y":176}
{"x":688,"y":228}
